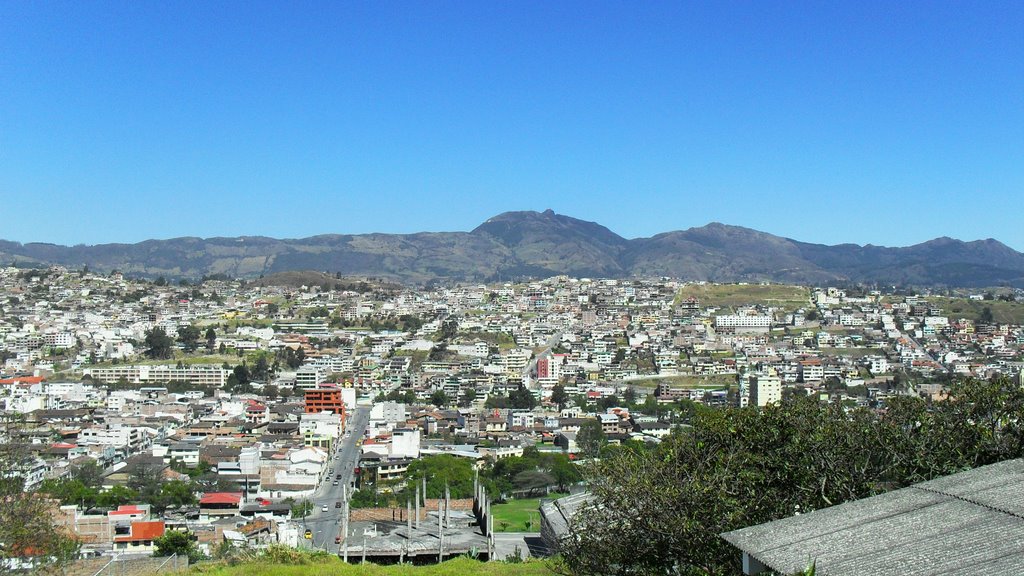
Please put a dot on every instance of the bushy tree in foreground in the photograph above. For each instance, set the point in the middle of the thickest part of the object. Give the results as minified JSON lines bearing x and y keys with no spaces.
{"x":660,"y":511}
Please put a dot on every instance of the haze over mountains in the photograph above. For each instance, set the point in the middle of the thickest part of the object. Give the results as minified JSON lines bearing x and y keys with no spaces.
{"x":541,"y":244}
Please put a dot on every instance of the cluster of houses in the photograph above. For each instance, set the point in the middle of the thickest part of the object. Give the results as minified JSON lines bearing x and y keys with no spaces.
{"x":443,"y":371}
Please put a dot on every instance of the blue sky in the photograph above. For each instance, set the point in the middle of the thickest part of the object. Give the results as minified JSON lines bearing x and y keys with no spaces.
{"x":869,"y":122}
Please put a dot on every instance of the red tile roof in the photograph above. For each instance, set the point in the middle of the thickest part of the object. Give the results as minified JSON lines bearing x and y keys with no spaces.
{"x":221,"y":498}
{"x":143,"y":531}
{"x":23,"y":380}
{"x":127,"y":509}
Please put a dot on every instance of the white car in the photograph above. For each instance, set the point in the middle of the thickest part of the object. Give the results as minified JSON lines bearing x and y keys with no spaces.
{"x":323,"y":508}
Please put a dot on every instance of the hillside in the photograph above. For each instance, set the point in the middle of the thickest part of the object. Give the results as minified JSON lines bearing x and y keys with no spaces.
{"x":541,"y":244}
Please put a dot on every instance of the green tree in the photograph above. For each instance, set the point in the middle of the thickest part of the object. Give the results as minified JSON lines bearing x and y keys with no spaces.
{"x":468,"y":397}
{"x":26,"y":521}
{"x":211,"y":339}
{"x":88,"y":473}
{"x":441,"y":469}
{"x":188,"y":335}
{"x":564,"y":472}
{"x":302,"y":509}
{"x":522,"y":399}
{"x":177,"y":542}
{"x":116,"y":496}
{"x":559,"y":396}
{"x":158,"y":344}
{"x":439,"y":399}
{"x":660,"y":510}
{"x":176,"y":493}
{"x":591,"y":438}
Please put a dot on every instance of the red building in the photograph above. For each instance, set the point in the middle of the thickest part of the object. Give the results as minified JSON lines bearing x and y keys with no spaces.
{"x":325,"y":400}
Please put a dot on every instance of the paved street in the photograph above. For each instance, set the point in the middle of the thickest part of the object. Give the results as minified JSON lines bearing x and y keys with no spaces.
{"x":325,"y":525}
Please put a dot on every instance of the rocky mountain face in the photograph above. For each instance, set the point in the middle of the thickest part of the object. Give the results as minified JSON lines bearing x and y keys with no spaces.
{"x":541,"y":244}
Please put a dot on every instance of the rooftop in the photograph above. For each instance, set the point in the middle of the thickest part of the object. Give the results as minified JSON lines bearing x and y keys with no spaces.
{"x":966,"y":523}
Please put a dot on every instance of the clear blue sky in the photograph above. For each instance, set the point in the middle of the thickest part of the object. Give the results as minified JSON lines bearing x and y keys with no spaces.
{"x":870,"y":122}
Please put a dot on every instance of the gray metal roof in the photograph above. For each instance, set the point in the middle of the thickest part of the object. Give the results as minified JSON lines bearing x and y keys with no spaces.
{"x":967,"y":523}
{"x":559,"y":513}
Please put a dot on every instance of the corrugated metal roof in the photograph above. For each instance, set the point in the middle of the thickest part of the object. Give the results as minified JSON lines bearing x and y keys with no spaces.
{"x":966,"y":523}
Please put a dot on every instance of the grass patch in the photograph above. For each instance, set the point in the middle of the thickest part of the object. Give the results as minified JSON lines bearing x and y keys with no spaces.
{"x":852,"y":352}
{"x":732,"y":295}
{"x":712,"y":382}
{"x":335,"y":567}
{"x":1002,"y":312}
{"x":513,"y":515}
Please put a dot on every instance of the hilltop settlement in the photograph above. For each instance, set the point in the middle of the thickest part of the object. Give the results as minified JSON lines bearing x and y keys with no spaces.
{"x":248,"y":413}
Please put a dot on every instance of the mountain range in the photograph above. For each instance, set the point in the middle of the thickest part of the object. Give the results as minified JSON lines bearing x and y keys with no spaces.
{"x":517,"y":245}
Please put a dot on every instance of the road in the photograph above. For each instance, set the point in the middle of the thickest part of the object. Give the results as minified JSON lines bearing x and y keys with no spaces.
{"x":326,"y":525}
{"x":531,"y":366}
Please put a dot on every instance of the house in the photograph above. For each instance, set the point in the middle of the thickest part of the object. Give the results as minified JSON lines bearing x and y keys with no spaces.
{"x":140,"y":537}
{"x":214,"y":505}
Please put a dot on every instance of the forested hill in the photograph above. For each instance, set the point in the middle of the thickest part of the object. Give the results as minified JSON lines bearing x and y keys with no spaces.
{"x":517,"y":245}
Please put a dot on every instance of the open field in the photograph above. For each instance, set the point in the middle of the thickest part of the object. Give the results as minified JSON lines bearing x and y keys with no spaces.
{"x":713,"y":382}
{"x":732,"y":295}
{"x":335,"y":567}
{"x":516,"y":513}
{"x":852,"y":352}
{"x":1002,"y":312}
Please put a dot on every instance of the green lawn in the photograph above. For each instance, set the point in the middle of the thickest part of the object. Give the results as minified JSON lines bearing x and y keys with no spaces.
{"x":335,"y":567}
{"x":1003,"y":312}
{"x":513,"y":515}
{"x":733,"y":295}
{"x":712,"y":382}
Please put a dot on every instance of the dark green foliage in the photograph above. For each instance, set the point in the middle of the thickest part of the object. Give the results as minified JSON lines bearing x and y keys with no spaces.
{"x":188,"y":336}
{"x":176,"y":542}
{"x":441,"y":470}
{"x":661,"y":510}
{"x":559,"y":396}
{"x":591,"y":438}
{"x":158,"y":344}
{"x":522,"y":399}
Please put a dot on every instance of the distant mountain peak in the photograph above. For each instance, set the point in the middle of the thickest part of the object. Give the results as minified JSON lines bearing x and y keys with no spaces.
{"x":530,"y":244}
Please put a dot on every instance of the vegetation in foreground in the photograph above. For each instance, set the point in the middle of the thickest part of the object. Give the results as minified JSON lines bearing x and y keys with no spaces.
{"x":660,"y":510}
{"x":283,"y":561}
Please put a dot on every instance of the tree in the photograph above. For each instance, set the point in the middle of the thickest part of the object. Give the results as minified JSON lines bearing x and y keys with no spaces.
{"x":559,"y":396}
{"x":89,"y":473}
{"x":442,"y":469}
{"x":629,"y":396}
{"x":116,"y":496}
{"x":564,"y":472}
{"x":158,"y":344}
{"x":439,"y":399}
{"x":26,"y":522}
{"x":177,"y":542}
{"x":986,"y":315}
{"x":449,"y":329}
{"x":590,"y":438}
{"x":522,"y":399}
{"x":302,"y":509}
{"x":211,"y":339}
{"x":660,"y":510}
{"x":176,"y":493}
{"x":189,"y":337}
{"x":468,"y":397}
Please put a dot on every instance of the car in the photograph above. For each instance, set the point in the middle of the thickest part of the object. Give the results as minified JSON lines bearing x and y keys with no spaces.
{"x":335,"y":483}
{"x":337,"y":539}
{"x":337,"y":504}
{"x":337,"y":476}
{"x":324,"y":508}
